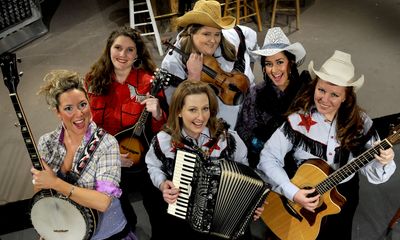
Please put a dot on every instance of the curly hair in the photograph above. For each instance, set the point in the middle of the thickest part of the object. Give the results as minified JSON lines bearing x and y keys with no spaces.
{"x":58,"y":82}
{"x":228,"y":50}
{"x":186,"y":88}
{"x":350,"y":124}
{"x":100,"y":74}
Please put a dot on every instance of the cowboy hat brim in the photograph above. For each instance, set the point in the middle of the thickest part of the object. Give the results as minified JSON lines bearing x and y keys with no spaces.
{"x":202,"y":18}
{"x":357,"y":84}
{"x":296,"y":49}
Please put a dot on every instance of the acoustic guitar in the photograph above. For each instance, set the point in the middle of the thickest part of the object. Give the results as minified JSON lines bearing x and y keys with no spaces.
{"x":231,"y":88}
{"x":132,"y":140}
{"x":53,"y":215}
{"x":289,"y":220}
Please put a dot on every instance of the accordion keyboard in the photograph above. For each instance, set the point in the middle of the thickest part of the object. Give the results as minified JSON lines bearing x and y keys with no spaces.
{"x":183,"y":174}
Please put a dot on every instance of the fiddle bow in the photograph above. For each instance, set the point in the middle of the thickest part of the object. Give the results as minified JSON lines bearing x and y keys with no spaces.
{"x":230,"y":87}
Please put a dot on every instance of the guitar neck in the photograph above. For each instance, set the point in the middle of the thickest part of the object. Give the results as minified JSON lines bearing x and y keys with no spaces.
{"x":26,"y":133}
{"x":342,"y":173}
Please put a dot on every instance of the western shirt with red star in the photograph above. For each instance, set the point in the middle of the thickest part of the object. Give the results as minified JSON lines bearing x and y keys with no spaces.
{"x":313,"y":128}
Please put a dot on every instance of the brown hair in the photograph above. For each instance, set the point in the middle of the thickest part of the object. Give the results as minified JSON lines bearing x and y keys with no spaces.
{"x":228,"y":50}
{"x":186,"y":88}
{"x":58,"y":82}
{"x":349,"y":119}
{"x":100,"y":75}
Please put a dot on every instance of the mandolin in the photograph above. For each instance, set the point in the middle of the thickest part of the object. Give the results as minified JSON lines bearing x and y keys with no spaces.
{"x":132,"y":140}
{"x":231,"y":88}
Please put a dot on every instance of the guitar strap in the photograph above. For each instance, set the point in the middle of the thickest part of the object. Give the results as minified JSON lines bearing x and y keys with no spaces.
{"x":240,"y":63}
{"x":86,"y":155}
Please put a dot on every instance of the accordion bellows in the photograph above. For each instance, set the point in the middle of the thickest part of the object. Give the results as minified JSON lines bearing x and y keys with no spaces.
{"x":218,"y":197}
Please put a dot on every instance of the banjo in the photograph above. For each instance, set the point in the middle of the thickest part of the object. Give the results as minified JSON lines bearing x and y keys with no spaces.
{"x":53,"y":215}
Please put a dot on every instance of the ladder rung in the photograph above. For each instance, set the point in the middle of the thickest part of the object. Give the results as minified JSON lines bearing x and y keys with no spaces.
{"x":139,"y":4}
{"x":142,"y":24}
{"x":147,"y":34}
{"x":142,"y":11}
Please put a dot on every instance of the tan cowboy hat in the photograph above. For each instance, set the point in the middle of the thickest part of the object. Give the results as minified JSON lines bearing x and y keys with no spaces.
{"x":207,"y":13}
{"x":338,"y":70}
{"x":276,"y":41}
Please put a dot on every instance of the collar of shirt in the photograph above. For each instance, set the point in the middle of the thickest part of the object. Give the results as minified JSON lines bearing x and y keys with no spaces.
{"x":202,"y":139}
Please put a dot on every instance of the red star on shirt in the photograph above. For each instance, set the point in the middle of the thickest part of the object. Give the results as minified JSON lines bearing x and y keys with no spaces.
{"x":213,"y":147}
{"x":306,"y":121}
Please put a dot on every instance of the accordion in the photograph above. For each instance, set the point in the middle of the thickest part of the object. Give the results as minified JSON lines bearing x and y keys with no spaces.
{"x":217,"y":197}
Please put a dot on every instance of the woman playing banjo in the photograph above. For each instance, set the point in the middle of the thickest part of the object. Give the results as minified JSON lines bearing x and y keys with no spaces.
{"x":91,"y":182}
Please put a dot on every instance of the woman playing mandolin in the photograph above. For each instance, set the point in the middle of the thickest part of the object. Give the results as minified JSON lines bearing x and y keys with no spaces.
{"x":205,"y":34}
{"x":324,"y":123}
{"x":119,"y":86}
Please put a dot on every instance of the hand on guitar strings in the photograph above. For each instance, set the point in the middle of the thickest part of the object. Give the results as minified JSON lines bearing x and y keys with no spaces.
{"x":307,"y":199}
{"x":45,"y":178}
{"x":125,"y":160}
{"x":152,"y":105}
{"x":385,"y":155}
{"x":169,"y":191}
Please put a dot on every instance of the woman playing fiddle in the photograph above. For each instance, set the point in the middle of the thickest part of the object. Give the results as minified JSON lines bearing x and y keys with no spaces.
{"x":206,"y":34}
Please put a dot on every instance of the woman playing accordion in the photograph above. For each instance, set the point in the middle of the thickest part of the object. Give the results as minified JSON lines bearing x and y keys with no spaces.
{"x":192,"y":126}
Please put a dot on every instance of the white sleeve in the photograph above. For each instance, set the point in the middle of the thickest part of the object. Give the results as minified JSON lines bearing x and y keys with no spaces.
{"x":272,"y":163}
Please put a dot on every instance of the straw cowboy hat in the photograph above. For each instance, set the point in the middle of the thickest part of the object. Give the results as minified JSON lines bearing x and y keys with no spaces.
{"x":276,"y":41}
{"x":207,"y":13}
{"x":338,"y":70}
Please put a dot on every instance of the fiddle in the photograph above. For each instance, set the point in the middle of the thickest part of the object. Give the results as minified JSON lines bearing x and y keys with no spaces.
{"x":230,"y":87}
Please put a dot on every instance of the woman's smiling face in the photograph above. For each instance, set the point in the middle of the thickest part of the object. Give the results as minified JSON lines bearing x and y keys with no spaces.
{"x":123,"y":53}
{"x":195,"y":114}
{"x":277,"y":68}
{"x":207,"y":40}
{"x":74,"y":111}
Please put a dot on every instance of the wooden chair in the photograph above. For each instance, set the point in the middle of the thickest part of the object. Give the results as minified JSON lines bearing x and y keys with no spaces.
{"x":291,"y":10}
{"x":242,"y":10}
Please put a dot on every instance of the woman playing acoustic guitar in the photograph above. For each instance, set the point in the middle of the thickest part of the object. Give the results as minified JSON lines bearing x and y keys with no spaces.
{"x":90,"y":182}
{"x":119,"y":84}
{"x":205,"y":34}
{"x":324,"y":124}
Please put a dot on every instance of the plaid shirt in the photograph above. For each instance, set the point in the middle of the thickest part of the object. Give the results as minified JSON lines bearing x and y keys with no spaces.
{"x":105,"y":165}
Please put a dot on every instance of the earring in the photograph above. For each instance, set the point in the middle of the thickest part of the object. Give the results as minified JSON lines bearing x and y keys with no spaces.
{"x":137,"y":63}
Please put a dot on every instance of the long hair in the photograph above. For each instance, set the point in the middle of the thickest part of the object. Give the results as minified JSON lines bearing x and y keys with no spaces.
{"x":228,"y":50}
{"x":58,"y":82}
{"x":100,"y":75}
{"x":186,"y":88}
{"x":350,"y":124}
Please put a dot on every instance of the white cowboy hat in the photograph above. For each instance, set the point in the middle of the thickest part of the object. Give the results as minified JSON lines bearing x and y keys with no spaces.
{"x":338,"y":70}
{"x":207,"y":13}
{"x":276,"y":41}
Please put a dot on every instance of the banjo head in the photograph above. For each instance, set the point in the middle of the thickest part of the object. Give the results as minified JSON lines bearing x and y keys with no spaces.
{"x":58,"y":218}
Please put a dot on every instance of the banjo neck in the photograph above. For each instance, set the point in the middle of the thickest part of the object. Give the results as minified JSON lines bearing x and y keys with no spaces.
{"x":26,"y":133}
{"x":8,"y":63}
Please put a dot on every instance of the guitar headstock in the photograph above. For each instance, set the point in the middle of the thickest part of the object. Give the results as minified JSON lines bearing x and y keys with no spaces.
{"x":394,"y":138}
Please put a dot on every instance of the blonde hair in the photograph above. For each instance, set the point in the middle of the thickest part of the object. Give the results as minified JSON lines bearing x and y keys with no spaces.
{"x":58,"y":82}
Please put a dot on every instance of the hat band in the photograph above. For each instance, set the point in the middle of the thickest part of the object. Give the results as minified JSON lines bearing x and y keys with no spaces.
{"x":275,"y":45}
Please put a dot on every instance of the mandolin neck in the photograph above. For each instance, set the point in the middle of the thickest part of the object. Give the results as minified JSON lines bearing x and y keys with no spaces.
{"x":26,"y":132}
